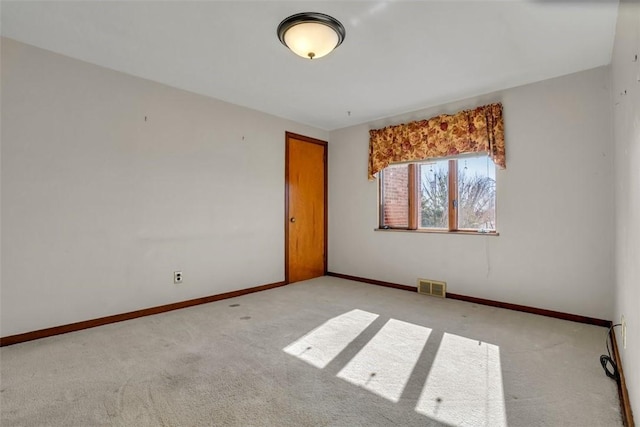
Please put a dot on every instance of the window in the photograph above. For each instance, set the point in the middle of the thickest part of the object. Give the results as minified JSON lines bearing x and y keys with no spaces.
{"x":440,"y":195}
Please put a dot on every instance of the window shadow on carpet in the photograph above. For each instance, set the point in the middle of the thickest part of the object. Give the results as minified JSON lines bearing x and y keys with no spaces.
{"x":448,"y":378}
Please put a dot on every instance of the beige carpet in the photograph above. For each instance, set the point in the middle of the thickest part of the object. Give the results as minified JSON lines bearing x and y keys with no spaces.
{"x":327,"y":352}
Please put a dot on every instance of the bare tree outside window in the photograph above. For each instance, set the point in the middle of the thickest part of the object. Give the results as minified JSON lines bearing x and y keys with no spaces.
{"x":476,"y":194}
{"x":434,"y":195}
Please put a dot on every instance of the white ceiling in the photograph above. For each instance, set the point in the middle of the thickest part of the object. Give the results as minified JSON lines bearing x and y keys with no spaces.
{"x":397,"y":57}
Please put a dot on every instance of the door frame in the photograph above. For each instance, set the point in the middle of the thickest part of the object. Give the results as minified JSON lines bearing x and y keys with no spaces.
{"x":325,"y":145}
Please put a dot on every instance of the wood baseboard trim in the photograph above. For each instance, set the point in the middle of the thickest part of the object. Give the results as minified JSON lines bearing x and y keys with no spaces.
{"x":373,"y":282}
{"x":492,"y":303}
{"x":533,"y":310}
{"x":623,"y":393}
{"x":72,"y":327}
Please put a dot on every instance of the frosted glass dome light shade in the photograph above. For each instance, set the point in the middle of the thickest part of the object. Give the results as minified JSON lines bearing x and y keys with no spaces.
{"x":311,"y":40}
{"x":311,"y":35}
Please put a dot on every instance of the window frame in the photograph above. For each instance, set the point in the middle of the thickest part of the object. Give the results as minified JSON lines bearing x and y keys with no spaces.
{"x":414,"y":197}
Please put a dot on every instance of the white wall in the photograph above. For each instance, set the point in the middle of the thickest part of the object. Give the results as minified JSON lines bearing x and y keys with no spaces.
{"x":99,"y":206}
{"x":626,"y":112}
{"x":555,"y":206}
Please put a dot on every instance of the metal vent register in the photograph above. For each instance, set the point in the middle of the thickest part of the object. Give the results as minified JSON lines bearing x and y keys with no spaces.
{"x":432,"y":287}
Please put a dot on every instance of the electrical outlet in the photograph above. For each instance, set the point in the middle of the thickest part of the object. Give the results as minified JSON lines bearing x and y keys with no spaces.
{"x":177,"y":277}
{"x":624,"y":332}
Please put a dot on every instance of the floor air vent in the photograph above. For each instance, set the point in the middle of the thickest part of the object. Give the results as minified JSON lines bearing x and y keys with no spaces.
{"x":432,"y":287}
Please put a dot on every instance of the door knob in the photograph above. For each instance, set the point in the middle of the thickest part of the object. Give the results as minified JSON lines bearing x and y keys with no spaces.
{"x":292,"y":219}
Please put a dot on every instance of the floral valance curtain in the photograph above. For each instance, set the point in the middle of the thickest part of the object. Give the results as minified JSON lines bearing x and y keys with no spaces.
{"x":470,"y":131}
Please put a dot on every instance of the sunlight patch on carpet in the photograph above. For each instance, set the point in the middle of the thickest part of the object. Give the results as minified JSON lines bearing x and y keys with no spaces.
{"x":320,"y":346}
{"x":385,"y":364}
{"x":464,"y":386}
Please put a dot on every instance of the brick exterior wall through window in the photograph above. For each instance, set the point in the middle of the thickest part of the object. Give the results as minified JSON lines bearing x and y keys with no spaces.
{"x":396,"y":196}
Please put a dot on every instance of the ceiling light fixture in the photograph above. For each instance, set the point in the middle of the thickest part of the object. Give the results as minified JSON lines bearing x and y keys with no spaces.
{"x":311,"y":34}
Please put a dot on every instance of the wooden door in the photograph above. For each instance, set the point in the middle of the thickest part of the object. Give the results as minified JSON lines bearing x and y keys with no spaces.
{"x":305,"y":208}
